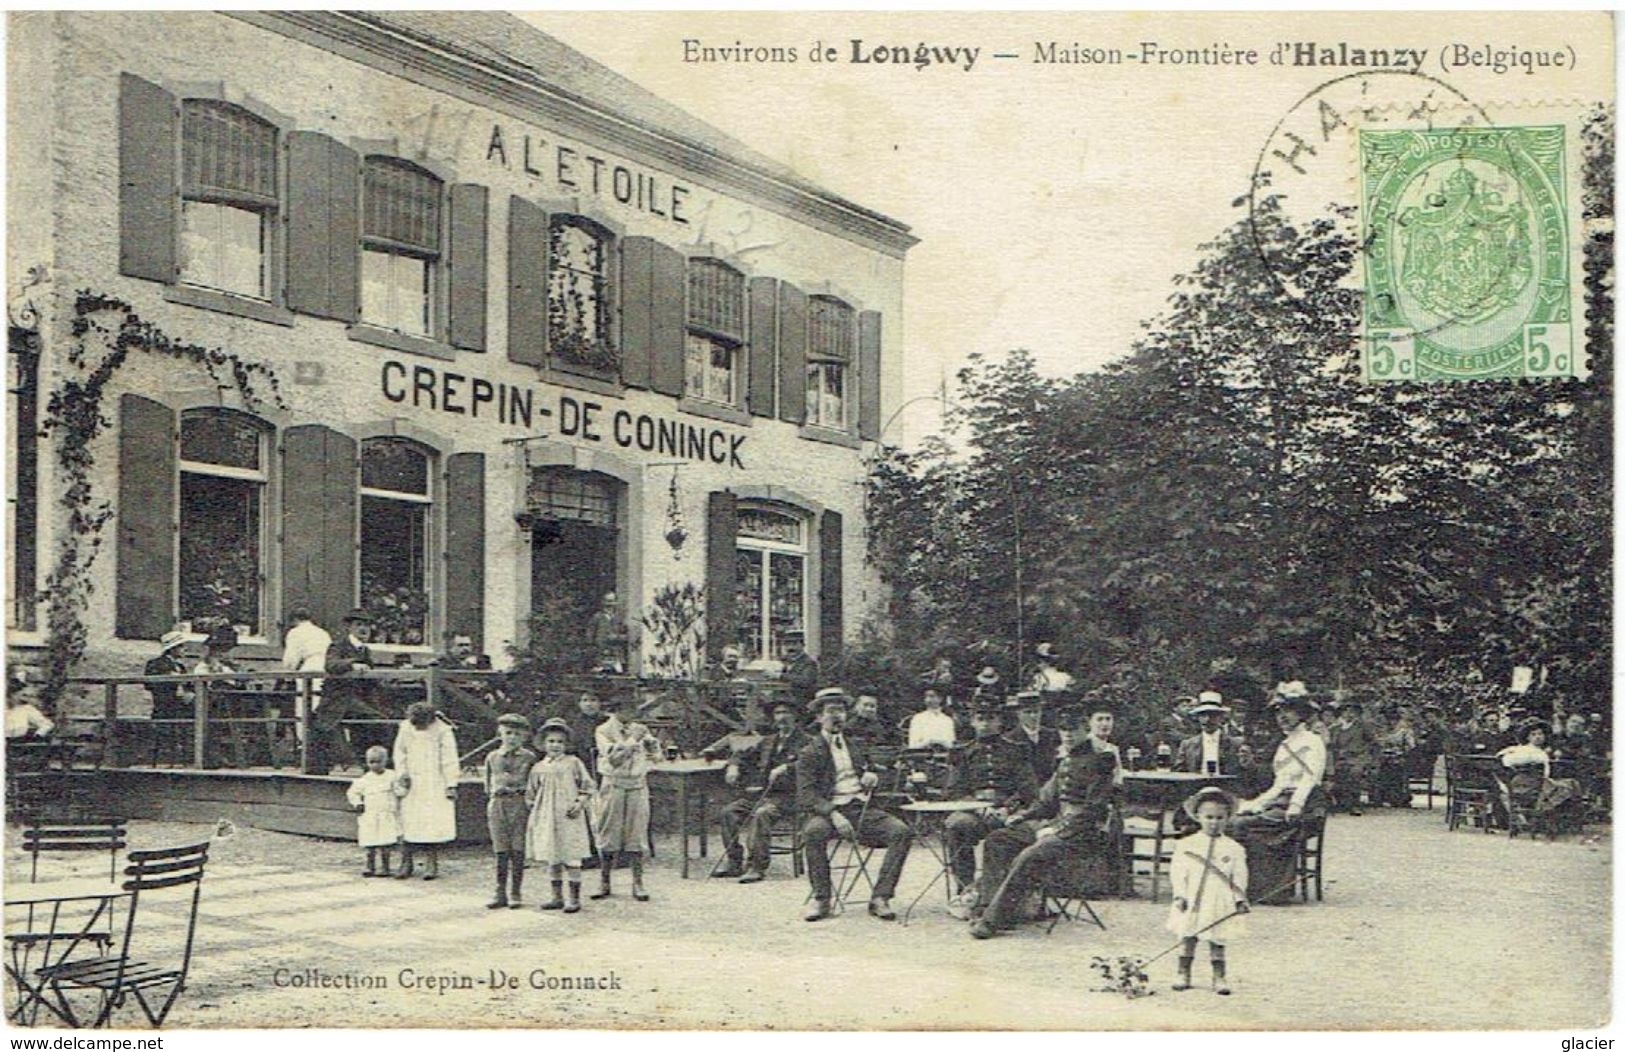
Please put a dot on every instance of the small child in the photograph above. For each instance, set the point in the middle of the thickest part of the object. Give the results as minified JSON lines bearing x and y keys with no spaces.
{"x":507,"y":773}
{"x":1209,"y":879}
{"x":558,"y":792}
{"x":625,"y":751}
{"x":377,"y":795}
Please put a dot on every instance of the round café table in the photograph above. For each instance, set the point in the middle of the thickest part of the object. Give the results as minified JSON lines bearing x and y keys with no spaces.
{"x":922,"y":814}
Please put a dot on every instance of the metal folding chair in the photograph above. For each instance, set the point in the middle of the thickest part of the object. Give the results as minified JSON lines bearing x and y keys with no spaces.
{"x":119,"y":976}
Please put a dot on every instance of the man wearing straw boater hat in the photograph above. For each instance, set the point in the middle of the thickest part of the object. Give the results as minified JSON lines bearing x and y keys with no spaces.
{"x":1041,"y":744}
{"x":832,"y":790}
{"x":1268,"y":825}
{"x":1211,"y":750}
{"x":168,"y":703}
{"x":342,"y":698}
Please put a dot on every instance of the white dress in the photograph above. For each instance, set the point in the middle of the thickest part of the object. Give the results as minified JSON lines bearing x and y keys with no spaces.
{"x":1210,"y":875}
{"x":379,"y":824}
{"x":554,"y":787}
{"x":429,"y":758}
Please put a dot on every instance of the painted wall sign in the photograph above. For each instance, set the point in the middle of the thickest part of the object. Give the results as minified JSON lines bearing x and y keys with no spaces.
{"x":428,"y":389}
{"x":575,"y":171}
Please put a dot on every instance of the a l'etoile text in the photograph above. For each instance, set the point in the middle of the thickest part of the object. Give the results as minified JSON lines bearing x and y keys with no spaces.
{"x":857,"y":52}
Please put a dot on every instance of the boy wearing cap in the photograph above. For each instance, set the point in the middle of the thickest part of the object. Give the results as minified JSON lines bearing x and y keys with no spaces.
{"x":507,"y":770}
{"x":832,"y":784}
{"x":767,"y":775}
{"x":1211,"y":750}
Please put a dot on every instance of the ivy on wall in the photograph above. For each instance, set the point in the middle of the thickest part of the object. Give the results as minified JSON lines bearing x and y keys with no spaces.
{"x":104,"y":332}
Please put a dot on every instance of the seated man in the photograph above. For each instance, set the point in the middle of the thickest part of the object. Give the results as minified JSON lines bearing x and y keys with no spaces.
{"x":931,"y":726}
{"x":1041,"y":744}
{"x":993,"y":769}
{"x":831,"y":785}
{"x":1211,"y":750}
{"x":1068,"y":824}
{"x":766,"y":773}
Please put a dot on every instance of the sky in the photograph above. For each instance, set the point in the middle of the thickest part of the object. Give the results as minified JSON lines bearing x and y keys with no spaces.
{"x":1054,"y":203}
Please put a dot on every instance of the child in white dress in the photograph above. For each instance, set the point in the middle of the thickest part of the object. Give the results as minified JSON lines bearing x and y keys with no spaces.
{"x":1209,"y":878}
{"x":558,"y":792}
{"x":377,"y":795}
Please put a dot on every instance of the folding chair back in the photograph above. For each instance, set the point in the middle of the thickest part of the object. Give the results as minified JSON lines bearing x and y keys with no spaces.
{"x":44,"y":835}
{"x":156,"y":982}
{"x":785,"y":838}
{"x":1471,"y":789}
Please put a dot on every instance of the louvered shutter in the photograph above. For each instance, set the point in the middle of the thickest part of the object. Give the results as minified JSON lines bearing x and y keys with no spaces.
{"x":792,"y":353}
{"x":148,"y":229}
{"x":869,"y":375}
{"x":465,"y":547}
{"x":764,"y":344}
{"x":527,"y":282}
{"x":721,"y":534}
{"x":324,"y":248}
{"x":830,"y":624}
{"x":319,"y":523}
{"x":145,"y":602}
{"x":637,"y":310}
{"x":668,"y":319}
{"x":466,"y":313}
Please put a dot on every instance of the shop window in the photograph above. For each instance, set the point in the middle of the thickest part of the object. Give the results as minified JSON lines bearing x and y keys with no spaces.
{"x":22,"y":464}
{"x":400,"y":245}
{"x":771,"y":576}
{"x":832,"y":329}
{"x":222,"y":519}
{"x":228,"y":198}
{"x":716,"y":331}
{"x":396,"y":573}
{"x":578,"y":294}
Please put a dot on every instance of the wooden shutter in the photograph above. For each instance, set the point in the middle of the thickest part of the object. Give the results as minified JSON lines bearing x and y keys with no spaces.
{"x":145,"y":603}
{"x":764,"y":344}
{"x":324,"y":246}
{"x":721,"y":534}
{"x":869,"y":375}
{"x":319,"y":522}
{"x":465,"y":547}
{"x":637,"y":310}
{"x":147,"y":138}
{"x":466,"y":313}
{"x":527,"y":282}
{"x":668,"y":319}
{"x":829,"y":588}
{"x":792,"y":353}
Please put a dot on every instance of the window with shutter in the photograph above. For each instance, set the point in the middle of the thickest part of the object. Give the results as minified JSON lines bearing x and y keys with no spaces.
{"x":223,"y":474}
{"x":831,"y":336}
{"x":579,"y":291}
{"x":716,"y":331}
{"x":229,"y":198}
{"x":396,"y":571}
{"x":771,"y":578}
{"x":400,"y":245}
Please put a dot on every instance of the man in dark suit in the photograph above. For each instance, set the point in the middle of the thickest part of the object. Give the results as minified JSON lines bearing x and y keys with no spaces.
{"x":800,"y":671}
{"x":832,"y":783}
{"x":1041,"y":744}
{"x":996,"y":770}
{"x":343,"y":698}
{"x":1212,"y":750}
{"x":766,"y":773}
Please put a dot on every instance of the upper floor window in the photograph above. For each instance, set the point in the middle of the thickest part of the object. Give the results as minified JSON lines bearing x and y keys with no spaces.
{"x":400,"y":245}
{"x":832,"y":334}
{"x":396,"y":572}
{"x":228,"y":197}
{"x":223,"y":477}
{"x":578,"y":293}
{"x":716,"y":331}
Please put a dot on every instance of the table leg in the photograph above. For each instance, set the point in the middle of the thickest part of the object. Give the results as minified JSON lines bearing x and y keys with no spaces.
{"x":939,"y":853}
{"x":682,"y":819}
{"x":705,"y":832}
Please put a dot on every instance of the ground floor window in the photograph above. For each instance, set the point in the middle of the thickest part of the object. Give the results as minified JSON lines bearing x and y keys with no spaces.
{"x":396,"y":573}
{"x":222,"y":515}
{"x":771,"y":578}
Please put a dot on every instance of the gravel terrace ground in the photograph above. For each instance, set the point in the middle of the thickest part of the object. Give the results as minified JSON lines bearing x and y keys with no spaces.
{"x":1420,"y":929}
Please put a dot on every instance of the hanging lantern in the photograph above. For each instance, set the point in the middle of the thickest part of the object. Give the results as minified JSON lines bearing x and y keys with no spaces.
{"x":676,"y":533}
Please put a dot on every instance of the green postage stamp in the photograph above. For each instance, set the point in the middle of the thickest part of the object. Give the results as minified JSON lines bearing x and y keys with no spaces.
{"x":1468,"y":272}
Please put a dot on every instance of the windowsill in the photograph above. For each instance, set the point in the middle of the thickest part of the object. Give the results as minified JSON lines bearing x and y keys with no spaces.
{"x":566,"y":377}
{"x":229,"y":303}
{"x":819,"y":433}
{"x":714,"y":411}
{"x":406,"y":650}
{"x":400,"y":341}
{"x":21,"y":637}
